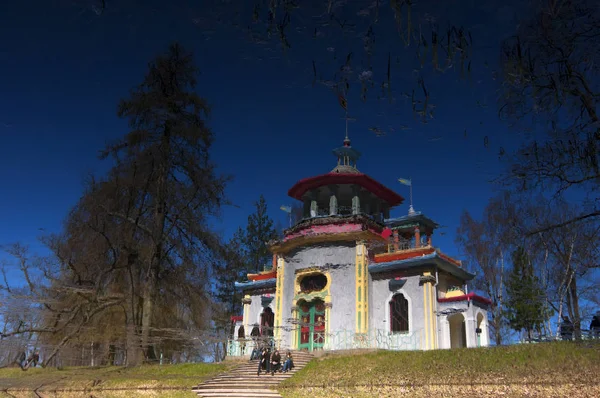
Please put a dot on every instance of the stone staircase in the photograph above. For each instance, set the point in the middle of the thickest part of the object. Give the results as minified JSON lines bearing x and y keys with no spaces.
{"x":242,"y":381}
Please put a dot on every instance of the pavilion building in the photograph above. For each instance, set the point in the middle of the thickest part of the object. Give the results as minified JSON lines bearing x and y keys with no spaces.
{"x":349,"y":276}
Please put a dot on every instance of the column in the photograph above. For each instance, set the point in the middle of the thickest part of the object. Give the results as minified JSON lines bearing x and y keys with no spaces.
{"x":246,"y":301}
{"x":427,"y":280}
{"x":333,"y":202}
{"x":314,"y":207}
{"x":417,"y":237}
{"x":278,"y":299}
{"x":396,"y":241}
{"x":296,"y":326}
{"x":445,"y":330}
{"x":362,"y":294}
{"x":327,"y":323}
{"x":429,"y":239}
{"x":470,"y":326}
{"x":355,"y":200}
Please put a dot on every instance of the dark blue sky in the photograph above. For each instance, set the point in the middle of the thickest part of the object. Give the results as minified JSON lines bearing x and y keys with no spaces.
{"x":63,"y":70}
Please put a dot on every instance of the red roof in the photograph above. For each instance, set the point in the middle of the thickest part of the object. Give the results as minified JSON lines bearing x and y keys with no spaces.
{"x":263,"y":276}
{"x":466,"y":297}
{"x":377,"y":188}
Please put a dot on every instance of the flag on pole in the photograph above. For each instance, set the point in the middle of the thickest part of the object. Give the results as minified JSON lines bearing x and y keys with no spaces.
{"x":404,"y":181}
{"x":343,"y":102}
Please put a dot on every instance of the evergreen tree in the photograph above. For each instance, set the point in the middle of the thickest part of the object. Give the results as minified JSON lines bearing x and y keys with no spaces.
{"x":259,"y":231}
{"x":525,"y":306}
{"x":234,"y":268}
{"x":247,"y":252}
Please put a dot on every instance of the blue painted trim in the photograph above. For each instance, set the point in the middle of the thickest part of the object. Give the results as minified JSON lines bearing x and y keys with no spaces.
{"x":417,"y":216}
{"x":432,"y":258}
{"x":256,"y":284}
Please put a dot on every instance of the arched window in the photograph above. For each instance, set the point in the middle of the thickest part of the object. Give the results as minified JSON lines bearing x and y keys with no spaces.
{"x":266,"y":322}
{"x":399,"y":314}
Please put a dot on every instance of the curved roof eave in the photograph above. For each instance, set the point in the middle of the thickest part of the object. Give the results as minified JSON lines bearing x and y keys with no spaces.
{"x":361,"y":179}
{"x":423,"y":260}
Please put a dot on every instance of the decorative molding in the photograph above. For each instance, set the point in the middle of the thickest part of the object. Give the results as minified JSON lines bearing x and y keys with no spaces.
{"x":426,"y":279}
{"x":246,"y":301}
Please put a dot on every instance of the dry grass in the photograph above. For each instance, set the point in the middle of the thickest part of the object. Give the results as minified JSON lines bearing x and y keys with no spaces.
{"x":175,"y":381}
{"x":552,"y":369}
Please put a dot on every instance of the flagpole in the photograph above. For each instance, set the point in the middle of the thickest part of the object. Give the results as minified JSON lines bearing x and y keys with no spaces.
{"x":411,"y":201}
{"x":346,"y":109}
{"x":411,"y":209}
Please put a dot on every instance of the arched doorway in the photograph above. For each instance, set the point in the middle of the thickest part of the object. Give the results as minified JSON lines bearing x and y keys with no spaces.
{"x":311,"y":316}
{"x":458,"y":331}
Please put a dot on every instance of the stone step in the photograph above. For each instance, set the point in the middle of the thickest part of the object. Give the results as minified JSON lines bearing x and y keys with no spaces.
{"x":243,"y":381}
{"x":262,"y":378}
{"x":238,"y":394}
{"x":240,"y":391}
{"x":244,"y":386}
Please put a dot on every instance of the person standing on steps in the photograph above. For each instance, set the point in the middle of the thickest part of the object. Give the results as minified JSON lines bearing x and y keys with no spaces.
{"x":275,"y":362}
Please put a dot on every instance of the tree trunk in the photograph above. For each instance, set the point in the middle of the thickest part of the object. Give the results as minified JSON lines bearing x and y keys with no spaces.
{"x":147,"y":313}
{"x":158,"y":236}
{"x":575,"y":308}
{"x":132,"y":352}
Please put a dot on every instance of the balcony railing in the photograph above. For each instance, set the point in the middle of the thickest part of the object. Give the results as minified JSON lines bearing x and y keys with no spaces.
{"x":405,"y":244}
{"x":341,"y":211}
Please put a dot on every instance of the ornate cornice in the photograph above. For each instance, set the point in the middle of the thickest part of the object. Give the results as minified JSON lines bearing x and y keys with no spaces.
{"x":426,"y":279}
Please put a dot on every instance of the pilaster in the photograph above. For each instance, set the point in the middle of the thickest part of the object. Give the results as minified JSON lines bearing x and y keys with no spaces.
{"x":362,"y":283}
{"x":427,"y":280}
{"x":278,"y":298}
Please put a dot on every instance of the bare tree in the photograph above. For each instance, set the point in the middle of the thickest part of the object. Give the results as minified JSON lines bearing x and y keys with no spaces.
{"x":550,"y":70}
{"x":53,"y":304}
{"x":486,"y":253}
{"x":573,"y":256}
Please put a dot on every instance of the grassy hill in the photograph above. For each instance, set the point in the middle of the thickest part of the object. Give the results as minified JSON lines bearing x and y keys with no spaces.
{"x":542,"y":370}
{"x":549,"y":369}
{"x":169,"y":381}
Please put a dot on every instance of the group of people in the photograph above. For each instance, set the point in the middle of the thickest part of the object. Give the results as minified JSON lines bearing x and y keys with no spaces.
{"x":271,"y":362}
{"x":567,"y":328}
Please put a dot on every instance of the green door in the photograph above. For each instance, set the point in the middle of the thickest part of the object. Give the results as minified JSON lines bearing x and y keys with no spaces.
{"x":312,"y":326}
